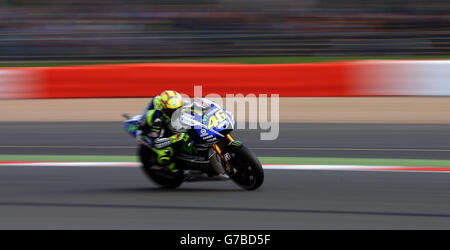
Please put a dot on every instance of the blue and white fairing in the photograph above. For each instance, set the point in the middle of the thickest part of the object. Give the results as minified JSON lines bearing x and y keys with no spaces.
{"x":207,"y":118}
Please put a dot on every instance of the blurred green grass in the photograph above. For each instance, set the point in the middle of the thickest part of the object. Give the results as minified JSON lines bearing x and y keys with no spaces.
{"x":264,"y":160}
{"x":241,"y":60}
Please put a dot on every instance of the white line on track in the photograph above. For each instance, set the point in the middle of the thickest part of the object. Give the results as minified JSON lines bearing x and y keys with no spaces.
{"x":258,"y":148}
{"x":265,"y":166}
{"x":355,"y":168}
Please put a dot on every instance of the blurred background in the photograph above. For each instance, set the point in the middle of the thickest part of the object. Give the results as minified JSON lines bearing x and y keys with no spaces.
{"x":133,"y":29}
{"x":375,"y":113}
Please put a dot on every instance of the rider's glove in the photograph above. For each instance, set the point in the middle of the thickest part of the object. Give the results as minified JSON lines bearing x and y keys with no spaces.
{"x":179,"y":137}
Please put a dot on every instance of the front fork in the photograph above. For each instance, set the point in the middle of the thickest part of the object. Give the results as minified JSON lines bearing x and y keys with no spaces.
{"x":225,"y":156}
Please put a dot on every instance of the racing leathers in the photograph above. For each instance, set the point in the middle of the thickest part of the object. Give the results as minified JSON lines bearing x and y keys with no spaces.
{"x":153,"y":130}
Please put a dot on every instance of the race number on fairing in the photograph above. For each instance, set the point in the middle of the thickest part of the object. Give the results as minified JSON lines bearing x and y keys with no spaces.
{"x":216,"y":119}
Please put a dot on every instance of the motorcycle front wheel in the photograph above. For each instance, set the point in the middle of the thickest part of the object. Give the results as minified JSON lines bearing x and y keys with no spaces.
{"x":249,"y":174}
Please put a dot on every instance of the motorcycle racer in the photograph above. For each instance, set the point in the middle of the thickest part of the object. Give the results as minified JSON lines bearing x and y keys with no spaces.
{"x":209,"y":153}
{"x":153,"y":127}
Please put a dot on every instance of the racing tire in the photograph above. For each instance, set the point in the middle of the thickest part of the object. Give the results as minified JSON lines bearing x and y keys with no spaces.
{"x":250,"y":174}
{"x":162,"y":177}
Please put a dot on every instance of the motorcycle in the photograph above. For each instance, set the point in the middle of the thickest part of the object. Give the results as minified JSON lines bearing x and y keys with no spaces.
{"x":211,"y":154}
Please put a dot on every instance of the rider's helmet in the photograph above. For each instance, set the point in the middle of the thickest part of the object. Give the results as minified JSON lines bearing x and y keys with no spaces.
{"x":169,"y":101}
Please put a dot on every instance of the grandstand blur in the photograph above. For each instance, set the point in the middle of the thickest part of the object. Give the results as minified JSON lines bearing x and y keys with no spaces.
{"x":133,"y":29}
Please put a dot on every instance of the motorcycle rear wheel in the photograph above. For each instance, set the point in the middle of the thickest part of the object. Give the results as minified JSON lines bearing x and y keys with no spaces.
{"x":164,"y":177}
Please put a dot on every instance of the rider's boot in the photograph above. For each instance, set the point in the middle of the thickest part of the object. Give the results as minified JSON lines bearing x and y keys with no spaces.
{"x":164,"y":158}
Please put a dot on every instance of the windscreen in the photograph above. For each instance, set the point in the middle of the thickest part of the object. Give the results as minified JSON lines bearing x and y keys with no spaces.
{"x":190,"y":114}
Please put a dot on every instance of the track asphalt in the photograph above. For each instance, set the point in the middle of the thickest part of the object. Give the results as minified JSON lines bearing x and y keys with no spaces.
{"x":122,"y":198}
{"x":295,"y":140}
